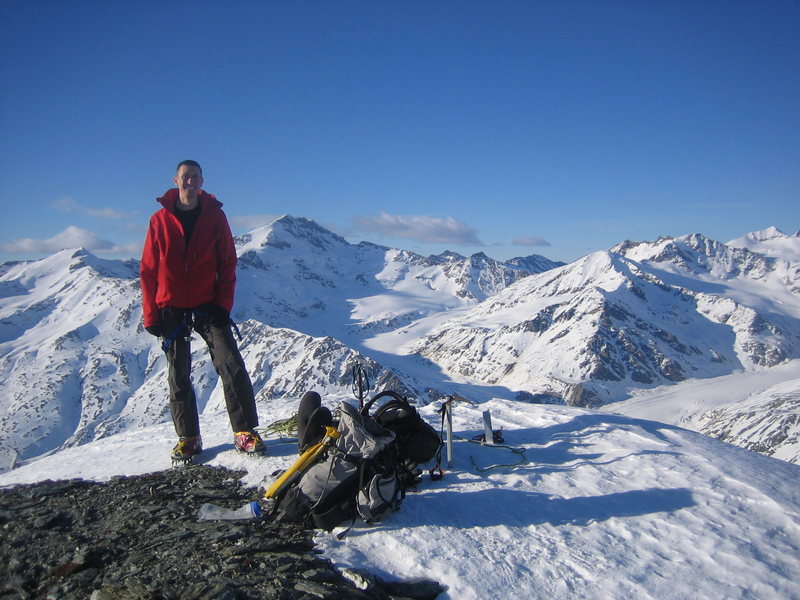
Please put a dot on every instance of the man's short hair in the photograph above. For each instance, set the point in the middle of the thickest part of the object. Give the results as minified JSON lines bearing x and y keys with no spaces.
{"x":189,"y":163}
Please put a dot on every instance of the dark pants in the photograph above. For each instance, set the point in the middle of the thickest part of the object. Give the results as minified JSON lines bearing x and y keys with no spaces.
{"x":227,"y":360}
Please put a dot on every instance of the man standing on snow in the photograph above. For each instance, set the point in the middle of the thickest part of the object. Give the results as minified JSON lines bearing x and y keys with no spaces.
{"x":188,"y":276}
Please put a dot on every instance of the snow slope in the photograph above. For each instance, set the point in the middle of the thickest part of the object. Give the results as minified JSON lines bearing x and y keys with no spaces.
{"x":590,"y":505}
{"x":772,"y":242}
{"x":758,"y":410}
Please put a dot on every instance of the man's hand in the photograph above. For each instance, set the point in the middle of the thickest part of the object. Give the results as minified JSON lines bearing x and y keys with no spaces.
{"x":155,"y":330}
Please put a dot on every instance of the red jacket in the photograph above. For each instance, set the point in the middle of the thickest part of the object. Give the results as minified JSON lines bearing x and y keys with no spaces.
{"x":174,"y":275}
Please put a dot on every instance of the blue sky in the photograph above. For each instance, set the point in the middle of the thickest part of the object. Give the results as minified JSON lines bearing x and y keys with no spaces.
{"x":512,"y":128}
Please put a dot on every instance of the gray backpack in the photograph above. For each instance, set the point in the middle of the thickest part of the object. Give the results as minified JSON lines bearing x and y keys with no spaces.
{"x":355,"y":476}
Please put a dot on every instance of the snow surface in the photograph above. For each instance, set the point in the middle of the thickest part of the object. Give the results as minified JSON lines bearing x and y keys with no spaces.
{"x":619,"y":503}
{"x":677,"y":405}
{"x":588,"y":504}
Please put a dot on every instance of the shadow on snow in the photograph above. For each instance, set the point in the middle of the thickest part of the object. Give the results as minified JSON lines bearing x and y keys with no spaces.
{"x":492,"y":507}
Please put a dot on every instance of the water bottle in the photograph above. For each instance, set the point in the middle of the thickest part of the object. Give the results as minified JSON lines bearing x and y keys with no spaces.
{"x":212,"y":512}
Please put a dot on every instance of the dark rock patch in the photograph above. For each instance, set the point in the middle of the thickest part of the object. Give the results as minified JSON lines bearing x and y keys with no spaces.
{"x":138,"y":538}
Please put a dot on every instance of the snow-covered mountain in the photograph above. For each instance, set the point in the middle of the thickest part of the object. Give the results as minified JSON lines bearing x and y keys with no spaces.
{"x":637,"y":315}
{"x":681,"y":332}
{"x":767,"y":422}
{"x":75,"y":364}
{"x":771,"y":242}
{"x":294,"y":273}
{"x":71,"y":349}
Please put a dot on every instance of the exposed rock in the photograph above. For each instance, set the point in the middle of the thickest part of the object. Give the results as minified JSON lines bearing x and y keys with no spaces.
{"x":138,"y":538}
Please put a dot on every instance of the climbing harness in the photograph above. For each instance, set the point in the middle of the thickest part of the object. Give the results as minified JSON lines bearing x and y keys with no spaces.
{"x":190,"y":319}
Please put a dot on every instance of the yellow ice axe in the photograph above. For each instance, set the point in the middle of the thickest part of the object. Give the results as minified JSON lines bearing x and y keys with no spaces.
{"x":306,"y":459}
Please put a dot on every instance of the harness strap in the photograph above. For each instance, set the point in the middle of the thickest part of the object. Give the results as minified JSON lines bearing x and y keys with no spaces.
{"x":188,"y":322}
{"x":167,"y":343}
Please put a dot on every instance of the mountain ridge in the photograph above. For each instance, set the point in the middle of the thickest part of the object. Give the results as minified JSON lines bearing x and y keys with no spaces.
{"x":76,"y":364}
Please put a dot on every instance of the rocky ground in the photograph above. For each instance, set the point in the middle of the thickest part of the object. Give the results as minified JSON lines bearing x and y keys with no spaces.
{"x":138,"y":538}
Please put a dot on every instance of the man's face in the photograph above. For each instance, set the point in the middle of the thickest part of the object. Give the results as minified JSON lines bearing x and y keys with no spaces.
{"x":189,"y":181}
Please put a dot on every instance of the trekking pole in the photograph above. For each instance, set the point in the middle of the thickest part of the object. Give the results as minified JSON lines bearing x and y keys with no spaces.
{"x":360,"y":384}
{"x":446,"y":411}
{"x":449,"y":422}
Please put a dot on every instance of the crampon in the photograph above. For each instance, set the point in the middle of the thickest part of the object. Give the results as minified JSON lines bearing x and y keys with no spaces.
{"x":249,"y":442}
{"x":185,"y":450}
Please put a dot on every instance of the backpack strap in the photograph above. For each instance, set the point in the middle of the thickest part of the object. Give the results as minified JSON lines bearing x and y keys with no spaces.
{"x":384,"y":393}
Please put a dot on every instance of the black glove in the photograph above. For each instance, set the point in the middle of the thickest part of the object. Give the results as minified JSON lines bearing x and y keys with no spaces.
{"x":155,"y":330}
{"x":218,"y":316}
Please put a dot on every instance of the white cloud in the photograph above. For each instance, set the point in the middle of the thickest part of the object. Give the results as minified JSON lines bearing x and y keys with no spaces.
{"x":530,"y":241}
{"x":72,"y":206}
{"x":420,"y":228}
{"x":71,"y":237}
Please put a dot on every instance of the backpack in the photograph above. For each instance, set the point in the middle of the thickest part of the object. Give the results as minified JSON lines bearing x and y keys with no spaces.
{"x":360,"y":468}
{"x":353,"y":476}
{"x":417,"y":442}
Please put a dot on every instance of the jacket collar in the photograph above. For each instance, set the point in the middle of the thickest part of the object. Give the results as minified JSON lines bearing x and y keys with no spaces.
{"x":207,"y":201}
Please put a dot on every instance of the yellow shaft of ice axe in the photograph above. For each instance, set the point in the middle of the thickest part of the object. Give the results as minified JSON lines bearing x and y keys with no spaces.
{"x":306,"y":459}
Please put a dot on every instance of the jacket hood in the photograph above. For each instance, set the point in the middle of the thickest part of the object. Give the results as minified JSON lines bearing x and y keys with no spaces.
{"x":171,"y":196}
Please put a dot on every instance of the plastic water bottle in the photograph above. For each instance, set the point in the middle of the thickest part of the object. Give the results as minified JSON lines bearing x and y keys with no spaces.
{"x":212,"y":512}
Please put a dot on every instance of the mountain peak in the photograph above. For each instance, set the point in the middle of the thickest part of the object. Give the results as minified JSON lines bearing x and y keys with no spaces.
{"x":289,"y":231}
{"x":535,"y":263}
{"x":766,"y":234}
{"x":771,"y":242}
{"x":448,"y":256}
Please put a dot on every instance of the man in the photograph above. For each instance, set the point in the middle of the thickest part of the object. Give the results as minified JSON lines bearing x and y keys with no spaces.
{"x":188,"y":276}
